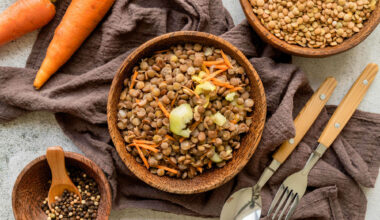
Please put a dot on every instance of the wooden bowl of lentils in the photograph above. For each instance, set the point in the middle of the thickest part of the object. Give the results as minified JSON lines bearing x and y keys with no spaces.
{"x":32,"y":186}
{"x":186,"y":111}
{"x":312,"y":28}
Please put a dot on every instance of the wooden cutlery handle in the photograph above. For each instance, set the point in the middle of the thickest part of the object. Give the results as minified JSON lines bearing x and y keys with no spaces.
{"x":56,"y":160}
{"x":348,"y":105}
{"x":306,"y":118}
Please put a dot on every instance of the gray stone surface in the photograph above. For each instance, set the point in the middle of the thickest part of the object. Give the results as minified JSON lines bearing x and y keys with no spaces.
{"x":26,"y":138}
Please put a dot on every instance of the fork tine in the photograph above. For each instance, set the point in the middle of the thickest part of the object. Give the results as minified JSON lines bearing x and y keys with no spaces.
{"x":284,"y":197}
{"x":288,"y":201}
{"x":292,"y":207}
{"x":276,"y":198}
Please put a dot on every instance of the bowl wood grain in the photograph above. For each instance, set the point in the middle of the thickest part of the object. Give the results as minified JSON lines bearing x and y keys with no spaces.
{"x":207,"y":180}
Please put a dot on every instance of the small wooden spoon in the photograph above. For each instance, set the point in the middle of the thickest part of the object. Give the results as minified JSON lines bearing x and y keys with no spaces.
{"x":60,"y":180}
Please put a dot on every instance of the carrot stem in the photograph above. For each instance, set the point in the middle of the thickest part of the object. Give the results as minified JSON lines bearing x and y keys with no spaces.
{"x":162,"y":107}
{"x":226,"y":60}
{"x":142,"y":157}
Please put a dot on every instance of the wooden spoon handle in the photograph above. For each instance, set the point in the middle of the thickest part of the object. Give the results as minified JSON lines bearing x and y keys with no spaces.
{"x":56,"y":160}
{"x":348,"y":105}
{"x":306,"y":118}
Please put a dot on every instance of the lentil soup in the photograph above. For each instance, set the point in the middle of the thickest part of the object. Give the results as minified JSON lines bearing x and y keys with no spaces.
{"x":184,"y":110}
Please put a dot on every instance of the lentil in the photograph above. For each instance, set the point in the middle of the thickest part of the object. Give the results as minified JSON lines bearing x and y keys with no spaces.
{"x":216,"y":125}
{"x":313,"y":23}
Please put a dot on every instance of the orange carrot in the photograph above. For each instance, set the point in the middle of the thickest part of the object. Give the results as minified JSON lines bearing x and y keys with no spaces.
{"x":235,"y":89}
{"x":226,"y":60}
{"x":214,"y":74}
{"x":200,"y":169}
{"x":167,"y":169}
{"x":169,"y":137}
{"x":24,"y":16}
{"x":134,"y":76}
{"x":142,"y":157}
{"x":191,"y":91}
{"x":221,"y":67}
{"x":181,"y":139}
{"x":80,"y":19}
{"x":162,"y":107}
{"x":209,"y":164}
{"x":204,"y":68}
{"x":193,"y":126}
{"x":222,"y":84}
{"x":175,"y":98}
{"x":146,"y":147}
{"x":210,"y":63}
{"x":144,"y":142}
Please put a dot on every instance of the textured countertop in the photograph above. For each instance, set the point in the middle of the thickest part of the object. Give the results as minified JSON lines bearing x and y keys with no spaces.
{"x":27,"y":137}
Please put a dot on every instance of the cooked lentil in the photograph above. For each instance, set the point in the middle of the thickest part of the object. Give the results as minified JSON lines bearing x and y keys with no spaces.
{"x":68,"y":206}
{"x":313,"y":23}
{"x":173,"y":79}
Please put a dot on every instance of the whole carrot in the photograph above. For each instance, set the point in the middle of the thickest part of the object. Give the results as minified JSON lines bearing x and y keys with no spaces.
{"x":24,"y":16}
{"x":80,"y":19}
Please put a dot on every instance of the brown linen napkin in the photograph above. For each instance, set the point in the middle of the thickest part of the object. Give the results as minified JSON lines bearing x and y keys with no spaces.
{"x":78,"y":96}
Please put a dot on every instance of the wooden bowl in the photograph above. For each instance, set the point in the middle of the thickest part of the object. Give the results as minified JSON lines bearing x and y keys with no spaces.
{"x":213,"y":178}
{"x":267,"y":36}
{"x":31,"y":187}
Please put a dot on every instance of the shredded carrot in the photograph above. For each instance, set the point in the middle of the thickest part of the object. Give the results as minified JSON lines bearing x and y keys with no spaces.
{"x":167,"y":169}
{"x":133,"y":79}
{"x":209,"y":164}
{"x":175,"y":98}
{"x":195,"y":125}
{"x":191,"y":91}
{"x":235,"y":89}
{"x":142,"y":157}
{"x":221,"y":67}
{"x":181,"y":139}
{"x":210,"y":63}
{"x":147,"y":147}
{"x":171,"y":162}
{"x":204,"y":68}
{"x":167,"y":114}
{"x":169,"y":137}
{"x":144,"y":142}
{"x":137,"y":101}
{"x":200,"y":169}
{"x":222,"y":84}
{"x":161,"y":51}
{"x":234,"y":121}
{"x":228,"y":63}
{"x":214,"y":74}
{"x":204,"y":155}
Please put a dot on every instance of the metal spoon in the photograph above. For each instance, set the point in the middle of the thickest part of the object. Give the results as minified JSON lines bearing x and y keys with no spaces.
{"x":246,"y":204}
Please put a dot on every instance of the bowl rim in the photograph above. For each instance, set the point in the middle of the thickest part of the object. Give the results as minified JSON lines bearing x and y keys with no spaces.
{"x":71,"y":155}
{"x":114,"y":131}
{"x":368,"y":26}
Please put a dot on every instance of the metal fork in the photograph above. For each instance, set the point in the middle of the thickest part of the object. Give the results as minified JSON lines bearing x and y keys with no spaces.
{"x":294,"y":186}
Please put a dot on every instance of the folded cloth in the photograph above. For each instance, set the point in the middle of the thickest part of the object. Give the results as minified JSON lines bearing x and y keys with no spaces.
{"x":77,"y":94}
